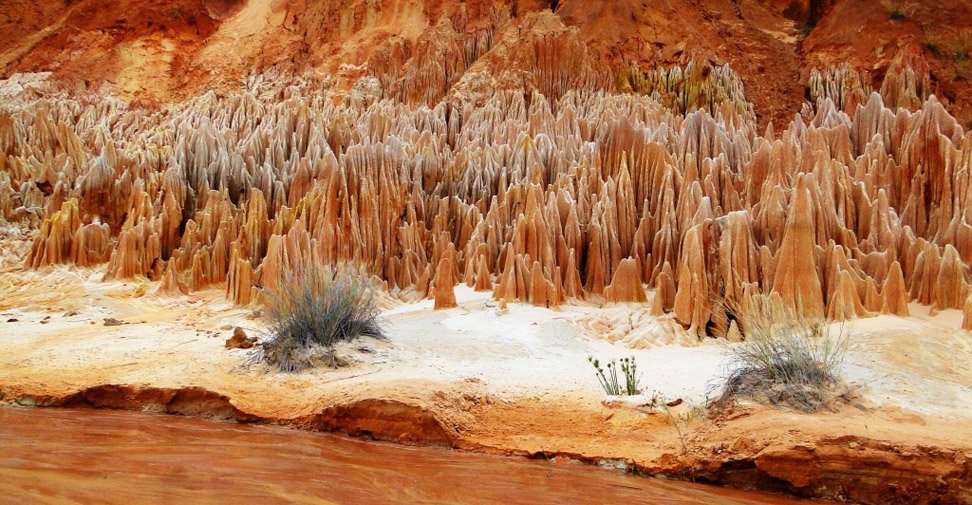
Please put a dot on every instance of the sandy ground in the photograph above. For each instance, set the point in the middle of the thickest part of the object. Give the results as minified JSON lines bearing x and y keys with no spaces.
{"x":514,"y":381}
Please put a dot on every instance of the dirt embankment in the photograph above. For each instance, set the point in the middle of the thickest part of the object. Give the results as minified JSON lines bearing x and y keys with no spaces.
{"x":748,"y":448}
{"x":381,"y":419}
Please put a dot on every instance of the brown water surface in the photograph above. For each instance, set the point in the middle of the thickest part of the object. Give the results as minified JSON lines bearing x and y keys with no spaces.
{"x":89,"y":456}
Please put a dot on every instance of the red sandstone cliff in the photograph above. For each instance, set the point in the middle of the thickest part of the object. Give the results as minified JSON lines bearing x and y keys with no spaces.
{"x":422,"y":50}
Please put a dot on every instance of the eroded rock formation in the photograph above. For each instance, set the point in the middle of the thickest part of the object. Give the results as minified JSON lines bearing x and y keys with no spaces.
{"x":540,"y":198}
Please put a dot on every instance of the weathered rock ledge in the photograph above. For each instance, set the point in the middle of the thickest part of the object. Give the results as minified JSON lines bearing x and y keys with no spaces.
{"x":774,"y":458}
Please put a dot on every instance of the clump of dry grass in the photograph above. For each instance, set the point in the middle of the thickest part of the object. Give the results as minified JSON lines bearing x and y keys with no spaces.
{"x":317,"y":307}
{"x":786,"y":359}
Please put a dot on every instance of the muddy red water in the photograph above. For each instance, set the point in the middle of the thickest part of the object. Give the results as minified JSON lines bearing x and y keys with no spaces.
{"x":88,"y":456}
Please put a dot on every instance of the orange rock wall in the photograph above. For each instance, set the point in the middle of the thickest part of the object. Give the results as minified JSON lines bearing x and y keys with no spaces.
{"x":420,"y":51}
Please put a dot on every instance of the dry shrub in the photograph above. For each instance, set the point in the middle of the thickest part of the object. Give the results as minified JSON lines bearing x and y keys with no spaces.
{"x":317,"y":307}
{"x":786,"y":359}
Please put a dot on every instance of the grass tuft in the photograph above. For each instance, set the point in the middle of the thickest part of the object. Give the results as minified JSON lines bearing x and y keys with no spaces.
{"x":787,"y":360}
{"x":316,"y":308}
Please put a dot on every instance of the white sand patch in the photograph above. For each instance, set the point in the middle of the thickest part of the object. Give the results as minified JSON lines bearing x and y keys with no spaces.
{"x":535,"y":351}
{"x":918,"y":363}
{"x":464,"y":295}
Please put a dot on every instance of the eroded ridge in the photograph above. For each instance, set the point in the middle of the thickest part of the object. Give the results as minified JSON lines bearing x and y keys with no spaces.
{"x":539,"y":199}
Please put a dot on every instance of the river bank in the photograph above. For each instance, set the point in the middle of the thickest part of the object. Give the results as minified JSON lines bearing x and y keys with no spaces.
{"x":513,"y":381}
{"x":51,"y":455}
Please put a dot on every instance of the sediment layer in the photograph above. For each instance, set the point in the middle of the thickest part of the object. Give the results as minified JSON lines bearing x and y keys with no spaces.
{"x":854,"y":468}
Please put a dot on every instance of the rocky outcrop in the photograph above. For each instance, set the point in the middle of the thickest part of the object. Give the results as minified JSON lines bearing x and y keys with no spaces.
{"x":626,"y":284}
{"x":239,"y":340}
{"x":795,"y":275}
{"x":443,"y":292}
{"x":378,"y":419}
{"x":851,"y":468}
